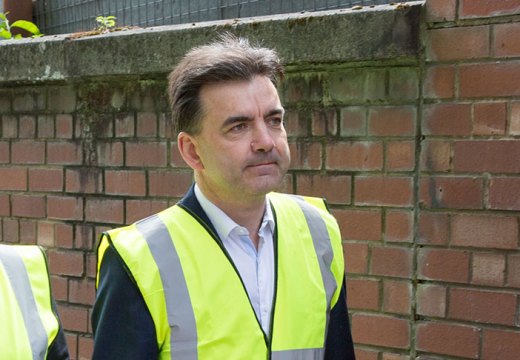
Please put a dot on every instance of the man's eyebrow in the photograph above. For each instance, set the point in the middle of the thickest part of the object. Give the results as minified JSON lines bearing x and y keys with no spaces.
{"x":240,"y":118}
{"x":277,"y":111}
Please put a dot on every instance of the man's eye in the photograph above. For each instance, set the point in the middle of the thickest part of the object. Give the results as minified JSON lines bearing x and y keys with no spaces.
{"x":275,"y":122}
{"x":238,"y":127}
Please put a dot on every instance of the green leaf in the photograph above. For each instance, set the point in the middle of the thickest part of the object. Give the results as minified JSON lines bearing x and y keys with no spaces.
{"x":5,"y":34}
{"x":26,"y":25}
{"x":3,"y":17}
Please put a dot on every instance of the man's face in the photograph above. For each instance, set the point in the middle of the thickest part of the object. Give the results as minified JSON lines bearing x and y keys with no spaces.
{"x":242,"y":145}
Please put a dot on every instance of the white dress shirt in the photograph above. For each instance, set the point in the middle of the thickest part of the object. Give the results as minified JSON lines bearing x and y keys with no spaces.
{"x":256,"y":267}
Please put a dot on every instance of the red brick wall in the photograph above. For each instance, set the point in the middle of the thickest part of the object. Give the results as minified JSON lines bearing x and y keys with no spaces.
{"x":419,"y":159}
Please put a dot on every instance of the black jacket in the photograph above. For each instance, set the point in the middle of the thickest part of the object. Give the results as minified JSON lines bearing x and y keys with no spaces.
{"x":123,"y":327}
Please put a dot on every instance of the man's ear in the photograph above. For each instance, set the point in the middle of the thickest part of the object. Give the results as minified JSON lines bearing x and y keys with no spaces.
{"x":188,"y":149}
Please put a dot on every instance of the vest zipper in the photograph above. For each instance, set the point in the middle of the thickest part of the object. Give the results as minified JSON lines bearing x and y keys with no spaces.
{"x":275,"y":290}
{"x":267,"y":339}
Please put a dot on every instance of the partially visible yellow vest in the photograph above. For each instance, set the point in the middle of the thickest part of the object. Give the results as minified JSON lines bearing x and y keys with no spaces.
{"x":198,"y":302}
{"x":28,"y":324}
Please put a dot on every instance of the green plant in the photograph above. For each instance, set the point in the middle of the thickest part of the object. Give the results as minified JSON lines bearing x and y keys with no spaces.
{"x":6,"y":28}
{"x":105,"y":23}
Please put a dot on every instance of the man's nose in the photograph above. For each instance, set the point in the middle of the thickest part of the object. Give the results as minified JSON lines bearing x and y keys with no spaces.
{"x":262,"y":139}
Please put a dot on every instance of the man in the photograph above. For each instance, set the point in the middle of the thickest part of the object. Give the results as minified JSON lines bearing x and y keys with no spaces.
{"x":29,"y":326}
{"x":233,"y":271}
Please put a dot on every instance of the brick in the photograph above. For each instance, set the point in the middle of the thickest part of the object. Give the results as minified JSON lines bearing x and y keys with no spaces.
{"x":84,"y":237}
{"x":9,"y":127}
{"x":359,"y":224}
{"x":146,"y":124}
{"x":13,"y":179}
{"x":74,"y":318}
{"x":391,"y":261}
{"x":487,"y":8}
{"x":5,"y":207}
{"x":353,"y":121}
{"x":392,"y":120}
{"x":490,"y":80}
{"x":403,"y":84}
{"x":400,"y":155}
{"x":59,"y":286}
{"x":5,"y":102}
{"x":439,"y":82}
{"x":513,"y":270}
{"x":500,"y":344}
{"x":436,"y":156}
{"x":62,"y":99}
{"x":104,"y":211}
{"x":356,"y":258}
{"x":390,"y":356}
{"x":110,"y":153}
{"x":85,"y":347}
{"x":129,"y":183}
{"x":487,"y":156}
{"x":489,"y":118}
{"x":11,"y":231}
{"x":81,"y":291}
{"x":381,"y":331}
{"x":64,"y":153}
{"x":484,"y":231}
{"x":481,"y":306}
{"x":5,"y":152}
{"x":64,"y":236}
{"x":45,"y":126}
{"x":444,"y":265}
{"x":366,"y":354}
{"x":28,"y":232}
{"x":297,"y":123}
{"x":514,"y":125}
{"x":69,"y":263}
{"x":27,"y":127}
{"x":91,"y":265}
{"x":488,"y":269}
{"x":169,"y":183}
{"x":363,"y":294}
{"x":431,"y":300}
{"x":48,"y":180}
{"x":64,"y":126}
{"x":146,"y":154}
{"x":125,"y":125}
{"x":459,"y":43}
{"x":448,"y":339}
{"x":324,"y":122}
{"x":439,"y":192}
{"x":306,"y":87}
{"x":29,"y":99}
{"x":398,"y":226}
{"x":65,"y":207}
{"x":505,"y":41}
{"x":28,"y":152}
{"x":304,"y":155}
{"x":335,"y":189}
{"x":140,"y":209}
{"x":28,"y":206}
{"x":357,"y":86}
{"x":358,"y":155}
{"x":86,"y":180}
{"x":383,"y":191}
{"x":72,"y":341}
{"x":396,"y":297}
{"x":440,"y":10}
{"x":504,"y":193}
{"x":450,"y":119}
{"x":46,"y":234}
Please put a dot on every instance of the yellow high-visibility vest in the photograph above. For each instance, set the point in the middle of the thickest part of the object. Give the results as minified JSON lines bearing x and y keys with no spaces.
{"x":28,"y":324}
{"x":196,"y":297}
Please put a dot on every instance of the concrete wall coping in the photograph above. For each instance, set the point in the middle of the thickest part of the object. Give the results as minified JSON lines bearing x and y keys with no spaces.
{"x":348,"y":35}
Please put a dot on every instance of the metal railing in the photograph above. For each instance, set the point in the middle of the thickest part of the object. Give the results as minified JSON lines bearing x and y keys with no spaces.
{"x":67,"y":16}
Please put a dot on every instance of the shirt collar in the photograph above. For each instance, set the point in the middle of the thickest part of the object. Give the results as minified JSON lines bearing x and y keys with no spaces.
{"x":223,"y":224}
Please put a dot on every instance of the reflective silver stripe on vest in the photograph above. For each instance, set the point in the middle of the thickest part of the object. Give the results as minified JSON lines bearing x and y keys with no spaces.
{"x":183,"y":341}
{"x":15,"y":268}
{"x":302,"y":354}
{"x":322,"y":245}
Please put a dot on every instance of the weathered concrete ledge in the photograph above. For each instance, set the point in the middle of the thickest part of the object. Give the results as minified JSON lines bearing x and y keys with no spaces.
{"x":371,"y":33}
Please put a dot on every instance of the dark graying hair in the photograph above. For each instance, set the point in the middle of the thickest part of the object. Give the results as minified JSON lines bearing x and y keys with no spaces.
{"x":228,"y":58}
